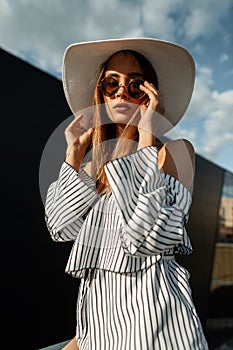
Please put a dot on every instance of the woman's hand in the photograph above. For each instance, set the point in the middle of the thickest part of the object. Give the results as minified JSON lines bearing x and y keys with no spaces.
{"x":154,"y":98}
{"x":151,"y":115}
{"x":74,"y":130}
{"x":78,"y":138}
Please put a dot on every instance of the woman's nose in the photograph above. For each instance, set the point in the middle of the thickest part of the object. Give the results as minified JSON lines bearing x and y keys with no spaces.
{"x":122,"y":91}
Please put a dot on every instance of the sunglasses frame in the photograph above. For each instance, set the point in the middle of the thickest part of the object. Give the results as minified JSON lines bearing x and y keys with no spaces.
{"x":131,"y":81}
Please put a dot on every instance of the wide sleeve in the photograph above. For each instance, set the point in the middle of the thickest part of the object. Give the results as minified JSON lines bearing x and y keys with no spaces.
{"x":68,"y":200}
{"x":152,"y":210}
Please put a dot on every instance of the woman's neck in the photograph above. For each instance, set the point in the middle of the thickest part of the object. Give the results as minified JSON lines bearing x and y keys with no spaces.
{"x":119,"y":130}
{"x":127,"y":132}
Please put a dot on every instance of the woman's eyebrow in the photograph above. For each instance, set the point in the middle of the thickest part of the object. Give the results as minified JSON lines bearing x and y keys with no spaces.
{"x":135,"y":74}
{"x":113,"y":75}
{"x":132,"y":74}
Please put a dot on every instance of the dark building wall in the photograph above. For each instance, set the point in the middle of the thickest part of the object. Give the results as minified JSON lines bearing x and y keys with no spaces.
{"x":202,"y":228}
{"x":39,"y":299}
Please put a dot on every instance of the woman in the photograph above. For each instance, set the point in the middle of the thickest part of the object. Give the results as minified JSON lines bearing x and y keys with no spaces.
{"x":123,"y":196}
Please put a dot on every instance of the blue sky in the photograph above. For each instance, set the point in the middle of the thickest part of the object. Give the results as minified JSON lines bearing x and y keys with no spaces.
{"x":39,"y":31}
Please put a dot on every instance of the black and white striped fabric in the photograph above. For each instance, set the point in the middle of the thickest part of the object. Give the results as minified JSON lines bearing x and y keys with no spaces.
{"x":133,"y":294}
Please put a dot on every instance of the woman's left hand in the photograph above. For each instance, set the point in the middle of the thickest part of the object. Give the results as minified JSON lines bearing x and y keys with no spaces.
{"x":151,"y":114}
{"x":155,"y":98}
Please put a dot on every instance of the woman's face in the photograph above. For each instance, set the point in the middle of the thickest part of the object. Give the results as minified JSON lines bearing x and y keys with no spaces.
{"x":121,"y":106}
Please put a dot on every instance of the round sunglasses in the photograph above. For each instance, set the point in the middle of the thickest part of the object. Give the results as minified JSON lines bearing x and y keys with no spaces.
{"x":110,"y":85}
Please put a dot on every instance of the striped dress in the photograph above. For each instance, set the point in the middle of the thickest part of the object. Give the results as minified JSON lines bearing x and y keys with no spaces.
{"x":133,"y":294}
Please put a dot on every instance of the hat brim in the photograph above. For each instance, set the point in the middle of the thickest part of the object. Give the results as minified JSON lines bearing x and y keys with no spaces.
{"x":173,"y":64}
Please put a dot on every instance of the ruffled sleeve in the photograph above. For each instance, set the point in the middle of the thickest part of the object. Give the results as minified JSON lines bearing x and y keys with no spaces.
{"x":68,"y":200}
{"x":153,"y":210}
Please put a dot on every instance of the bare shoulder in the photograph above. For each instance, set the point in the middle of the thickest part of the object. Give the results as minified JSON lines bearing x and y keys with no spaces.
{"x":177,"y":158}
{"x":184,"y":147}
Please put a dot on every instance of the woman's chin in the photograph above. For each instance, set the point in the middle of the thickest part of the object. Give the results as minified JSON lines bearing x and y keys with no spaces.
{"x":122,"y":115}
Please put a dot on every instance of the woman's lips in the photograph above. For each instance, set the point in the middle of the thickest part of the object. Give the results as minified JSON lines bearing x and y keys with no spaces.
{"x":122,"y":107}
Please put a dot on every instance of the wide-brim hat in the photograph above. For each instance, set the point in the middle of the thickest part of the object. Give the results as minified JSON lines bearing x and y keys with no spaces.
{"x":173,"y":64}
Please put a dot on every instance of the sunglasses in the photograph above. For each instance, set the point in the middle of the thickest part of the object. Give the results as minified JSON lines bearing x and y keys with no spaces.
{"x":110,"y":85}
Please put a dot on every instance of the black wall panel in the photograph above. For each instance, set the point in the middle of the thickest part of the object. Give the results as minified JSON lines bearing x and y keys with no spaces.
{"x":38,"y":299}
{"x":202,"y":228}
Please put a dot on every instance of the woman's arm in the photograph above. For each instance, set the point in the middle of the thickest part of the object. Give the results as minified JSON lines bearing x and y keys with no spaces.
{"x":68,"y":199}
{"x":177,"y":158}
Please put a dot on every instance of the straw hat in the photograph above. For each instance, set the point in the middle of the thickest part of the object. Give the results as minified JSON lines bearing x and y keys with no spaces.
{"x":173,"y":64}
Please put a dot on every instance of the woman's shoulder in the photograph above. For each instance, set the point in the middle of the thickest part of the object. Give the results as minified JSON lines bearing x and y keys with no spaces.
{"x":177,"y":158}
{"x":181,"y":145}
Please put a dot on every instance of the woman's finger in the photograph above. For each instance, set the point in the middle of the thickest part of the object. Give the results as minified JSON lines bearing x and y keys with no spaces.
{"x":155,"y":97}
{"x":75,"y":122}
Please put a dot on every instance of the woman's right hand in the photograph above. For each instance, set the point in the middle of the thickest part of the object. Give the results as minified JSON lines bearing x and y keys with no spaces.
{"x":78,"y":138}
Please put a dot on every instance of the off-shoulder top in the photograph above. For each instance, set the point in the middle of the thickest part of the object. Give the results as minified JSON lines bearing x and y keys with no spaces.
{"x":140,"y":222}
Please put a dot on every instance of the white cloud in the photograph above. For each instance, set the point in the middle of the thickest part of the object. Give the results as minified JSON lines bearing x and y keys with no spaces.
{"x":204,"y":17}
{"x":202,"y":101}
{"x":157,"y":18}
{"x":199,"y":49}
{"x":219,"y":124}
{"x":223,"y":58}
{"x":214,"y":110}
{"x":42,"y":29}
{"x":196,"y":23}
{"x":180,"y":131}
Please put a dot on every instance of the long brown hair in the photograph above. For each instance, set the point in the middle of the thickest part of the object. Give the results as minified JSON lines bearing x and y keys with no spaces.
{"x":105,"y":144}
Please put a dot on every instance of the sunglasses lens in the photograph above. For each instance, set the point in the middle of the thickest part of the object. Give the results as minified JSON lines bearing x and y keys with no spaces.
{"x":109,"y":86}
{"x":134,"y":89}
